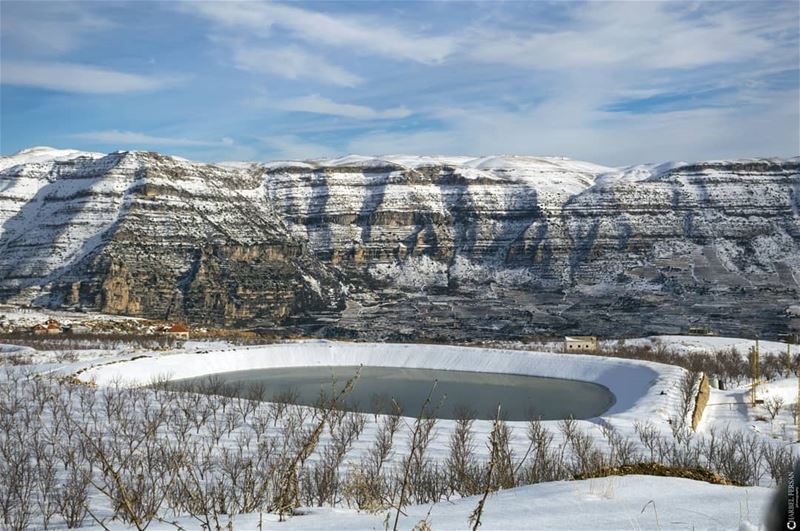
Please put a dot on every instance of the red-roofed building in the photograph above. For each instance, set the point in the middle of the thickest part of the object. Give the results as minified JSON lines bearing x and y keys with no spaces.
{"x":51,"y":326}
{"x":178,"y":331}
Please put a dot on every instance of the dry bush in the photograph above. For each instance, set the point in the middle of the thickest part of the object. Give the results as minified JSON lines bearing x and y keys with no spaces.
{"x":462,"y":469}
{"x":773,"y":405}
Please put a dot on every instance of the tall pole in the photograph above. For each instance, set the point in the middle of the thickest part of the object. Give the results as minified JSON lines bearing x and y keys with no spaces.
{"x":752,"y":377}
{"x":754,"y":372}
{"x":758,"y":362}
{"x":797,"y":403}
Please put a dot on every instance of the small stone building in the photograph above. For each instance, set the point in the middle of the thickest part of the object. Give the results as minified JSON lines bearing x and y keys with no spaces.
{"x":700,"y":331}
{"x":580,"y":343}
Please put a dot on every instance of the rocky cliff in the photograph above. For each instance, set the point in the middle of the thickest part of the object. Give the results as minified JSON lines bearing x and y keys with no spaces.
{"x":145,"y":235}
{"x":407,"y":247}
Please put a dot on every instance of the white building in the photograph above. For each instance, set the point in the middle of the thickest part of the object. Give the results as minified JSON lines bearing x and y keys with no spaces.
{"x":580,"y":343}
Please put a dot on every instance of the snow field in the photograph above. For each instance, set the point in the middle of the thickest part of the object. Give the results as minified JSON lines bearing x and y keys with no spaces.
{"x":629,"y":502}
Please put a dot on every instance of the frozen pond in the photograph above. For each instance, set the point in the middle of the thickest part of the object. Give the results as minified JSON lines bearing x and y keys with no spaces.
{"x":521,"y":397}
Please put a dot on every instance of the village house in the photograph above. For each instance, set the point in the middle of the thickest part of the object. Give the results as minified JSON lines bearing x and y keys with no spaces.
{"x":177,"y":331}
{"x":51,"y":326}
{"x":700,"y":331}
{"x":580,"y":343}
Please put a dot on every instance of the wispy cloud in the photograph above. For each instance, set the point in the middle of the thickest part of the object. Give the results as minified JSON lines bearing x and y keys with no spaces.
{"x":613,"y":82}
{"x":642,"y":35}
{"x":130,"y":138}
{"x":50,"y":27}
{"x":363,"y":35}
{"x":293,"y":63}
{"x":290,"y":147}
{"x":612,"y":138}
{"x":320,"y":105}
{"x":70,"y":77}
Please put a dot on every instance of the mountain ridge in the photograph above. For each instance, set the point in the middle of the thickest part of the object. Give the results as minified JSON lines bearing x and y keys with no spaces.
{"x":404,"y":246}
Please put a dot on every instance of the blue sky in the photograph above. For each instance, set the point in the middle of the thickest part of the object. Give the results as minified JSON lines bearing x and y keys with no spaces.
{"x":613,"y":83}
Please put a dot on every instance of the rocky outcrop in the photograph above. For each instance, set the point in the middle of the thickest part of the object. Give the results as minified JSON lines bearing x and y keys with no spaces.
{"x":522,"y":245}
{"x":145,"y":235}
{"x":408,"y":247}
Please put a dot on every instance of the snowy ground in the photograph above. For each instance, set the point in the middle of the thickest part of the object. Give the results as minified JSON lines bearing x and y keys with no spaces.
{"x":695,"y":344}
{"x":682,"y":344}
{"x":611,"y":503}
{"x":732,"y":409}
{"x":630,"y":502}
{"x":14,"y":318}
{"x":619,"y":502}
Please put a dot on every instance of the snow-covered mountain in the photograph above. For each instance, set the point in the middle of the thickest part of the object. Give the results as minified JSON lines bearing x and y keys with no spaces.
{"x":407,"y":246}
{"x":141,"y":234}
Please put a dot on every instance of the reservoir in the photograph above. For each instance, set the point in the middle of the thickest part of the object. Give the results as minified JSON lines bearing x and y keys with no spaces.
{"x":377,"y":389}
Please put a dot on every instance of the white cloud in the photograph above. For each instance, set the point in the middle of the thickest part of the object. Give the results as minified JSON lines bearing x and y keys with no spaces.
{"x":130,"y":138}
{"x":643,"y":35}
{"x":320,"y":105}
{"x":290,"y":147}
{"x":293,"y":63}
{"x":50,"y":27}
{"x":70,"y":77}
{"x":360,"y":34}
{"x":569,"y":128}
{"x":446,"y":141}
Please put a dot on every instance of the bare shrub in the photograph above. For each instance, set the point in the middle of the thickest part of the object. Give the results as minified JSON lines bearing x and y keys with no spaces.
{"x":494,"y":451}
{"x":366,"y":485}
{"x":780,"y":461}
{"x":773,"y":405}
{"x":413,"y":463}
{"x":546,"y":463}
{"x":71,"y":498}
{"x":688,"y":389}
{"x":463,"y":472}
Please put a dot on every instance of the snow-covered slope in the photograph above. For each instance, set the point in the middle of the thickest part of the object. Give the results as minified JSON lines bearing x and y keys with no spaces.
{"x":43,"y":155}
{"x":561,"y":242}
{"x":614,"y":503}
{"x":456,"y":246}
{"x":141,"y":234}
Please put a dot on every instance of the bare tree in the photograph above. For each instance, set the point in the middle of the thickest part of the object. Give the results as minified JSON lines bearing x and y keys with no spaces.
{"x":773,"y":405}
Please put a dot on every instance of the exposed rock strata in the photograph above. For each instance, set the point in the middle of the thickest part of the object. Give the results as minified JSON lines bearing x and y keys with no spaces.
{"x":145,"y":235}
{"x":408,"y":247}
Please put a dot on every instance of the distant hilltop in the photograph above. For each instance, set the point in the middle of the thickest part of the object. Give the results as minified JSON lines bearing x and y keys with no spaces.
{"x":402,"y":246}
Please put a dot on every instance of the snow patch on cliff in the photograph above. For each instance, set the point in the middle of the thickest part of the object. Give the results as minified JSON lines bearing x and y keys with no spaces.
{"x":469,"y":271}
{"x":415,"y":272}
{"x":42,"y":154}
{"x":638,"y":173}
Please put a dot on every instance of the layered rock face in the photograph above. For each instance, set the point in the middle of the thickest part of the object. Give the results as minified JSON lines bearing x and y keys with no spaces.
{"x":521,"y":245}
{"x":409,"y":247}
{"x":145,"y":235}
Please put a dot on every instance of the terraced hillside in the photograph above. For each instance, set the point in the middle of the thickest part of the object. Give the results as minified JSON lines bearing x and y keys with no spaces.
{"x":407,"y":247}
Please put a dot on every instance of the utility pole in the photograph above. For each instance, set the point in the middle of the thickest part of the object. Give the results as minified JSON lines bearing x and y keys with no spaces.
{"x":797,"y":402}
{"x":754,"y":372}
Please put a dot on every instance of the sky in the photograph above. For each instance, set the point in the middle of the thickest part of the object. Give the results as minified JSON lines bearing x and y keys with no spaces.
{"x":615,"y":83}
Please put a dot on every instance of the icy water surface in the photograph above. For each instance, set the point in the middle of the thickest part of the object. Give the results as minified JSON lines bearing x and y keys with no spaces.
{"x":376,"y":388}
